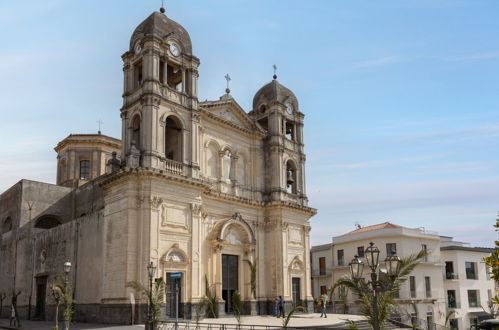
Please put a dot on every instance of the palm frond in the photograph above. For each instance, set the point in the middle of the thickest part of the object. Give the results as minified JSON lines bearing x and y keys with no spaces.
{"x":295,"y":309}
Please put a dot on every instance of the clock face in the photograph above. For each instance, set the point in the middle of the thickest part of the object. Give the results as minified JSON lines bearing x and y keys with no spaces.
{"x":289,"y":108}
{"x":138,"y":48}
{"x":174,"y":49}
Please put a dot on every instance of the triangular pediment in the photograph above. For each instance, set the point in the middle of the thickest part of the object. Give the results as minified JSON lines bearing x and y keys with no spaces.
{"x":230,"y":112}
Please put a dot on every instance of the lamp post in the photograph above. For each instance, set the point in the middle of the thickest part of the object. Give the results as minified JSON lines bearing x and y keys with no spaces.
{"x":372,"y":256}
{"x":67,"y":269}
{"x":151,"y":270}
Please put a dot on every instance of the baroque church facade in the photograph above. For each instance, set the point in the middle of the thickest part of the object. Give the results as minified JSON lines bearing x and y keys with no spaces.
{"x":202,"y":188}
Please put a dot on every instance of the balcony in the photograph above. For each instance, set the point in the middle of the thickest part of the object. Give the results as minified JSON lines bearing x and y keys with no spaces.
{"x":172,"y":166}
{"x":451,"y":276}
{"x":453,"y":305}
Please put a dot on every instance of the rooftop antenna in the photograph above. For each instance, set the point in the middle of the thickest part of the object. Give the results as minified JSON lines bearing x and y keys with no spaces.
{"x":227,"y":77}
{"x":275,"y":71}
{"x":100,"y":124}
{"x":162,"y":9}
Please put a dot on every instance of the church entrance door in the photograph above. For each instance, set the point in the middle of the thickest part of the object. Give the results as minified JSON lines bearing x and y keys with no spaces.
{"x":41,"y":292}
{"x":296,"y":290}
{"x":171,"y":285}
{"x":230,"y":277}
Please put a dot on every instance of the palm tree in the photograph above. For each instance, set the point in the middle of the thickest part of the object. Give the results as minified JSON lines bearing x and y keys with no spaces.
{"x":62,"y":293}
{"x":252,"y":266}
{"x":296,"y":308}
{"x":237,"y":306}
{"x":385,"y":298}
{"x":155,"y":298}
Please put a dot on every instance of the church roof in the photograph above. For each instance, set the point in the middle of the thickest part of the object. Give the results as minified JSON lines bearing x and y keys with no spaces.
{"x":274,"y":91}
{"x":160,"y":26}
{"x":383,"y":225}
{"x":87,"y":139}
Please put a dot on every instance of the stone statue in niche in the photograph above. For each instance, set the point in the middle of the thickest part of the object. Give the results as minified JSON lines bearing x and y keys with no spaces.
{"x":133,"y":160}
{"x":114,"y":164}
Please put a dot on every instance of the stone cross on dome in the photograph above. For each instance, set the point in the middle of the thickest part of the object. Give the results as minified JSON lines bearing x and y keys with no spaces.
{"x":162,"y":9}
{"x":100,"y":125}
{"x":275,"y":72}
{"x":227,"y":77}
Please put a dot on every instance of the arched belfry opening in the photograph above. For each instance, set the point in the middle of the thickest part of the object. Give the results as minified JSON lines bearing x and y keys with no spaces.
{"x":173,"y":139}
{"x":47,"y":222}
{"x":291,"y":178}
{"x":7,"y":225}
{"x":136,"y":131}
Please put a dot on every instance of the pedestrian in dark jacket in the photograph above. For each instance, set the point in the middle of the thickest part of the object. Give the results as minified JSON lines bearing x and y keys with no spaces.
{"x":281,"y":307}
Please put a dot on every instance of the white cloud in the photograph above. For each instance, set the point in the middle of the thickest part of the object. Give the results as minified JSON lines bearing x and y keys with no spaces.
{"x":474,"y":57}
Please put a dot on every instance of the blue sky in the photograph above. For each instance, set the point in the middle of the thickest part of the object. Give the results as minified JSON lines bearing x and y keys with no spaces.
{"x":401,"y":97}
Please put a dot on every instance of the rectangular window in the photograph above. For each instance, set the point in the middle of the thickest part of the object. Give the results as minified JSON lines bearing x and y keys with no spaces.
{"x":424,"y":247}
{"x":391,"y":249}
{"x":322,"y":266}
{"x":412,"y":286}
{"x":471,"y":273}
{"x":451,"y":299}
{"x":84,"y":169}
{"x":427,"y":285}
{"x":323,"y":289}
{"x":449,"y":271}
{"x":341,"y":257}
{"x":360,"y":251}
{"x":473,"y":298}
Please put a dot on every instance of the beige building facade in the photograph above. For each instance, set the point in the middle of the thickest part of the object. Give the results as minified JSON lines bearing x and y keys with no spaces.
{"x":201,"y":188}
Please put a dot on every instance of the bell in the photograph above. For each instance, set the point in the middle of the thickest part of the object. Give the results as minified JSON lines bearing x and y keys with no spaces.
{"x":290,"y":179}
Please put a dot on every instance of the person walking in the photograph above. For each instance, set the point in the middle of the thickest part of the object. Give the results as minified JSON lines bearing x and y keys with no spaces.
{"x":281,"y":307}
{"x":323,"y":302}
{"x":12,"y":321}
{"x":276,"y":306}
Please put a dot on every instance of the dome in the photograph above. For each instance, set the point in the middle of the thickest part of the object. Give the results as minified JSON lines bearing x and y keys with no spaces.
{"x":160,"y":26}
{"x":274,"y":91}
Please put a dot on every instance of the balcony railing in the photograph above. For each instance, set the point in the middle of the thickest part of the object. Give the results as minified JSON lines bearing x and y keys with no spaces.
{"x":451,"y":276}
{"x":453,"y":305}
{"x":172,"y":166}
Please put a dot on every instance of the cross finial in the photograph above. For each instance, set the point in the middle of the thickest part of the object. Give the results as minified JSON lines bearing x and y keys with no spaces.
{"x":275,"y":71}
{"x":162,"y":9}
{"x":100,"y":124}
{"x":227,"y":77}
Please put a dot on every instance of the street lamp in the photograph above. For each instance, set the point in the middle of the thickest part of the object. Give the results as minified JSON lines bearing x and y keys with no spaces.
{"x":151,"y":271}
{"x":67,"y":269}
{"x":372,"y":256}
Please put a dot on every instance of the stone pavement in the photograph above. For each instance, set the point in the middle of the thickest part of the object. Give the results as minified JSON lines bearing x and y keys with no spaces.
{"x":301,"y":320}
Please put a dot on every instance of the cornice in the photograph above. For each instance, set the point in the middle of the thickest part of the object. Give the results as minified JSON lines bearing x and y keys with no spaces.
{"x":124,"y":173}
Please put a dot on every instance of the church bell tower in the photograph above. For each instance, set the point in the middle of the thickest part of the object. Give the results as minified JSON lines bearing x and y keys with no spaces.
{"x":276,"y":109}
{"x":160,"y":107}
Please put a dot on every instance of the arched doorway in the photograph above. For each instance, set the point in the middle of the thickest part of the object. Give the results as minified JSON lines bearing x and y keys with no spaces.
{"x":234,"y":244}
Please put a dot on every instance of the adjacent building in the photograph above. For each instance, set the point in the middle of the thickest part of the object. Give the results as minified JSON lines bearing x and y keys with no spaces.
{"x":452,"y":277}
{"x":206,"y":189}
{"x":467,"y":283}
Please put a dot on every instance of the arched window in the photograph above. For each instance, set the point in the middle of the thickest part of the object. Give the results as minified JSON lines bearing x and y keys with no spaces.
{"x":62,"y":170}
{"x":173,"y":139}
{"x":47,"y":222}
{"x":291,"y":185}
{"x":84,"y":169}
{"x":136,"y":131}
{"x":7,"y":225}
